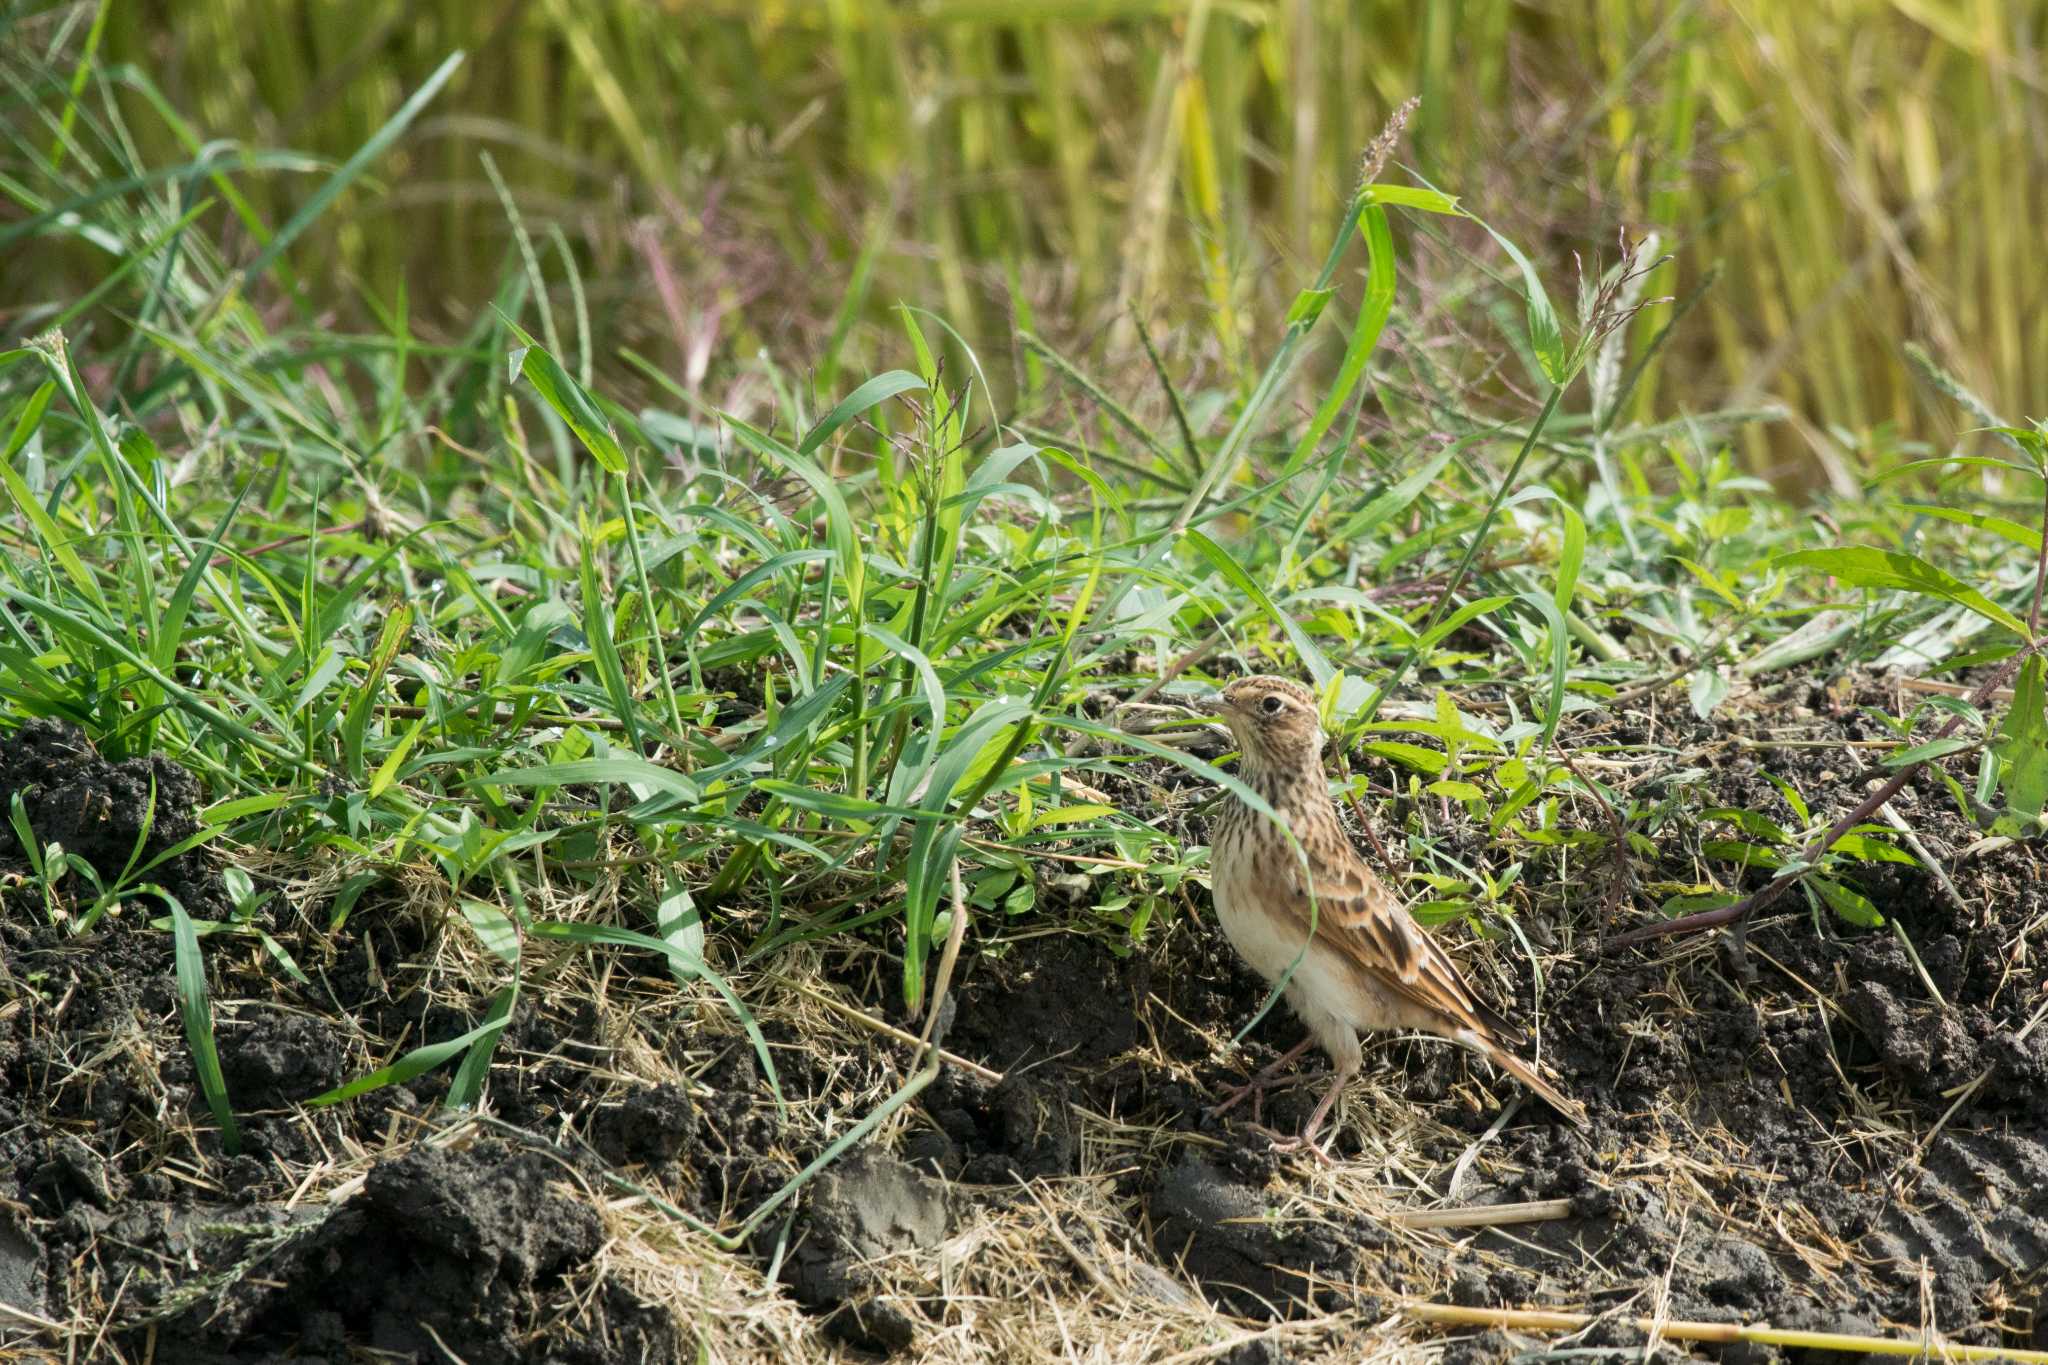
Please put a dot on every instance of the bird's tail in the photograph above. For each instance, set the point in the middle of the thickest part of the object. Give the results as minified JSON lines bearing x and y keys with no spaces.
{"x":1526,"y":1074}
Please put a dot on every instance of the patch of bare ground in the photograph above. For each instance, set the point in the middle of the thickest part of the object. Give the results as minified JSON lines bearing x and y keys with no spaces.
{"x":1842,"y":1131}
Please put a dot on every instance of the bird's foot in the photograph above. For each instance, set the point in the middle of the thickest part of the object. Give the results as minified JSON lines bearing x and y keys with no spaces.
{"x":1255,"y":1090}
{"x":1304,"y":1142}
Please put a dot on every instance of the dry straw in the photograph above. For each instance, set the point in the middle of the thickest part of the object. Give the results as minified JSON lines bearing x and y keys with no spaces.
{"x":1542,"y":1320}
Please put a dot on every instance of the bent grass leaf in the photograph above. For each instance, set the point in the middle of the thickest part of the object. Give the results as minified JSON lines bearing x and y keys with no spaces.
{"x":877,"y":390}
{"x":417,"y":1062}
{"x":618,"y":769}
{"x":2026,"y":537}
{"x":1318,"y":664}
{"x":570,"y":400}
{"x":468,"y":1086}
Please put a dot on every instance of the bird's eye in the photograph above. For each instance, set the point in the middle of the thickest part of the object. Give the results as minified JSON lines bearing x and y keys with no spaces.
{"x":1272,"y":704}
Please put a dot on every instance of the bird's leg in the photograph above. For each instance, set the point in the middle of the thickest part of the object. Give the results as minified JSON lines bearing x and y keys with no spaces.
{"x":1255,"y":1088}
{"x":1307,"y":1139}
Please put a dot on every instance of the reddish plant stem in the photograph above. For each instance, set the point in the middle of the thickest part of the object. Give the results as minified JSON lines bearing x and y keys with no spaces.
{"x":221,"y":561}
{"x":1749,"y":905}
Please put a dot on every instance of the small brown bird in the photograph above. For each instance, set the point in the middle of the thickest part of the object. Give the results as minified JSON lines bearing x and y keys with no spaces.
{"x":1369,"y":966}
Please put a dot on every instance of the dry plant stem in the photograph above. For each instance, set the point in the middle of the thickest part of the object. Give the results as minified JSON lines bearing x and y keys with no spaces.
{"x":889,"y":1030}
{"x":1059,"y":1234}
{"x":1749,"y":905}
{"x":1487,"y":1215}
{"x":954,"y":936}
{"x":1538,"y":1320}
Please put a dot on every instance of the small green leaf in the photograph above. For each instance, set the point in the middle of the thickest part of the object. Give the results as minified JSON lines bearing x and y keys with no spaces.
{"x":1456,"y":790}
{"x":494,"y":929}
{"x":1308,"y":306}
{"x":1409,"y":755}
{"x":1070,"y":815}
{"x":1410,"y":197}
{"x":1933,"y":749}
{"x":1708,"y":690}
{"x":1851,"y":905}
{"x":417,"y":1062}
{"x":198,"y":1015}
{"x":2022,"y":745}
{"x":1742,"y":851}
{"x":1546,"y":337}
{"x":876,"y":391}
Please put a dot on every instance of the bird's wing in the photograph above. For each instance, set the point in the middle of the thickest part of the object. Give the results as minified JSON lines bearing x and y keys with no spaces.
{"x":1357,"y":914}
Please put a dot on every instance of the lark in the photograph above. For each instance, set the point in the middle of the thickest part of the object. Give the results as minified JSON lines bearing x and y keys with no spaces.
{"x":1368,"y":966}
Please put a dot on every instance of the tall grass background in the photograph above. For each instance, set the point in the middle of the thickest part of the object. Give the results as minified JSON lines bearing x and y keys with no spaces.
{"x":1850,"y":175}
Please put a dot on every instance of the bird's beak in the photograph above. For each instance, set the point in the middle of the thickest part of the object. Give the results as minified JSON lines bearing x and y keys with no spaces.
{"x":1211,"y":705}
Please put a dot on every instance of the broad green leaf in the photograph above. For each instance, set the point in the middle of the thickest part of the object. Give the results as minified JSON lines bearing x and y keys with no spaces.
{"x":1933,"y":749}
{"x":1942,"y":462}
{"x":1308,"y":305}
{"x":1742,"y":851}
{"x":1456,"y":621}
{"x":468,"y":1086}
{"x":1397,"y":499}
{"x":619,"y":769}
{"x":387,"y":771}
{"x":2026,"y":537}
{"x":1712,"y":582}
{"x":1546,"y":337}
{"x":1708,"y":690}
{"x":493,"y":928}
{"x":1560,"y":651}
{"x":681,"y":926}
{"x":417,"y":1062}
{"x":1408,"y":755}
{"x":1866,"y":566}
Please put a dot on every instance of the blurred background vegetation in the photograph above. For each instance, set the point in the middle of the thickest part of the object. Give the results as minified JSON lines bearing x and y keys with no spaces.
{"x":1850,"y":176}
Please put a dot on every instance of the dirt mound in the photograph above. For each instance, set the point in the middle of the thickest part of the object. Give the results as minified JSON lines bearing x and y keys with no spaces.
{"x":865,"y":1209}
{"x":119,"y":817}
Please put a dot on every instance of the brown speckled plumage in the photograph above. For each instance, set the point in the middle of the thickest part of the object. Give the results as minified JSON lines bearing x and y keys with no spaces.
{"x":1369,"y":966}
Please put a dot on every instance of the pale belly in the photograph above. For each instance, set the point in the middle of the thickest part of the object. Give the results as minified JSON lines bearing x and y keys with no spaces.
{"x":1326,"y":988}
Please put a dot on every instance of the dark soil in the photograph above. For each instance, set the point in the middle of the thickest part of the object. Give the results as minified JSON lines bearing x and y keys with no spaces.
{"x":1817,"y":1135}
{"x":118,"y":1203}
